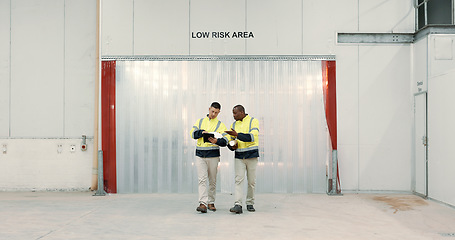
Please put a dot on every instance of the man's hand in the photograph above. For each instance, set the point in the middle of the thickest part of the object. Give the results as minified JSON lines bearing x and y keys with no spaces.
{"x":233,"y":144}
{"x":213,"y":140}
{"x":232,"y":132}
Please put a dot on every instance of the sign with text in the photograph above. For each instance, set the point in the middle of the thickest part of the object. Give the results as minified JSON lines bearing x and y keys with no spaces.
{"x":223,"y":34}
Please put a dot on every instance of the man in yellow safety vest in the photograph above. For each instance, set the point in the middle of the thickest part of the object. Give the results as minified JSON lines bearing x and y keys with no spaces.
{"x":208,"y":155}
{"x":244,"y":141}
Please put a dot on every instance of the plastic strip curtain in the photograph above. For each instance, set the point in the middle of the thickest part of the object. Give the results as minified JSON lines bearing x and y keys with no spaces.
{"x":158,"y":103}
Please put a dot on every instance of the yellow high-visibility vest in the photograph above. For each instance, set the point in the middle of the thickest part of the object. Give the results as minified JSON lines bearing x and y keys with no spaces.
{"x":250,"y":126}
{"x":209,"y":125}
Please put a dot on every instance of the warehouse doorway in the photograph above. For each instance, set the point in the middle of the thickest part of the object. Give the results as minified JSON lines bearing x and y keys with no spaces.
{"x":158,"y":99}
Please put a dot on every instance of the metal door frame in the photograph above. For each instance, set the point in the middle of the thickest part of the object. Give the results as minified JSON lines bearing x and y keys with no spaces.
{"x":425,"y":93}
{"x":201,"y":58}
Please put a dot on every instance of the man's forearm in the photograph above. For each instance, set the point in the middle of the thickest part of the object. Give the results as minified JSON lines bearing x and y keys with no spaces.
{"x":244,"y":137}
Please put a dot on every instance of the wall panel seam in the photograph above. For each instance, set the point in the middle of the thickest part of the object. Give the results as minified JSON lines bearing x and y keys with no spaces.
{"x":10,"y":76}
{"x":358,"y":15}
{"x":358,"y":99}
{"x":64,"y":68}
{"x":189,"y":27}
{"x":301,"y":41}
{"x":358,"y":117}
{"x":246,"y":25}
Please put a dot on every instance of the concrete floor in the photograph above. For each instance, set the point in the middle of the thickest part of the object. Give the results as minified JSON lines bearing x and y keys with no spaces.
{"x":79,"y":215}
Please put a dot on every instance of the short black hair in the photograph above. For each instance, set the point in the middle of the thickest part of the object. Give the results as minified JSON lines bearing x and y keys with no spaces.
{"x":240,"y":108}
{"x":216,"y":105}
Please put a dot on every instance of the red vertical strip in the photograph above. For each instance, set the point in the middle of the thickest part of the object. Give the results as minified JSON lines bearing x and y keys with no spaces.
{"x":329,"y":83}
{"x":330,"y":94}
{"x":108,"y":126}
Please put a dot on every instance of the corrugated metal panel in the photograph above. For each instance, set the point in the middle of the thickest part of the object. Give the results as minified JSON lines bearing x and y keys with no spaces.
{"x":159,"y":101}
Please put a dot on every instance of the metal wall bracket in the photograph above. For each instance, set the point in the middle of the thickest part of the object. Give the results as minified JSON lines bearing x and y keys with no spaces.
{"x":218,"y":58}
{"x":434,"y":29}
{"x":375,"y":37}
{"x":395,"y":37}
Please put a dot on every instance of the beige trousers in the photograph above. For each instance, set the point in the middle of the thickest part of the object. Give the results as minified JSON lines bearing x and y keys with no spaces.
{"x":206,"y":170}
{"x":242,"y":166}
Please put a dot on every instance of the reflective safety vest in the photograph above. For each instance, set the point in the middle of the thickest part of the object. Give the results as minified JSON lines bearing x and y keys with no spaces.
{"x":248,"y":137}
{"x":207,"y":149}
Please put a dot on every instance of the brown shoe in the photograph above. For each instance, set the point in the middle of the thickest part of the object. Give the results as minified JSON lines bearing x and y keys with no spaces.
{"x":212,"y":207}
{"x":202,"y":208}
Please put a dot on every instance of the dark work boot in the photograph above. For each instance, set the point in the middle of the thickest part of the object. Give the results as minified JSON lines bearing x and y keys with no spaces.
{"x":236,"y":209}
{"x":212,"y":207}
{"x":202,"y":208}
{"x":250,"y":208}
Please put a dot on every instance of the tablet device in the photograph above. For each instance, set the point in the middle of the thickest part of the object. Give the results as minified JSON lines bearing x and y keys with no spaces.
{"x":207,"y":135}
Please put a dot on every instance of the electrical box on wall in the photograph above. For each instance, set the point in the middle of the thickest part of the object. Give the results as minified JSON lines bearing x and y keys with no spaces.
{"x":84,"y":143}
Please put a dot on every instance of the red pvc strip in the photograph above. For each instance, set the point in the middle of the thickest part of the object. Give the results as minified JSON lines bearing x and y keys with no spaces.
{"x":329,"y":88}
{"x":108,"y":126}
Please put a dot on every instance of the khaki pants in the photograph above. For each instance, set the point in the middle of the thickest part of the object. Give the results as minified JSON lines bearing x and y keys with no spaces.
{"x":207,"y":169}
{"x":242,"y":166}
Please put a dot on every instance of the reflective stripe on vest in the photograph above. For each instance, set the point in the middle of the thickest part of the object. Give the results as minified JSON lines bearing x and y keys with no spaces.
{"x":200,"y":122}
{"x":218,"y":125}
{"x":246,"y":149}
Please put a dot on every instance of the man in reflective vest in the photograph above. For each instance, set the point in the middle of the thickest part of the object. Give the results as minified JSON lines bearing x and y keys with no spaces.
{"x":208,"y":155}
{"x":245,"y":141}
